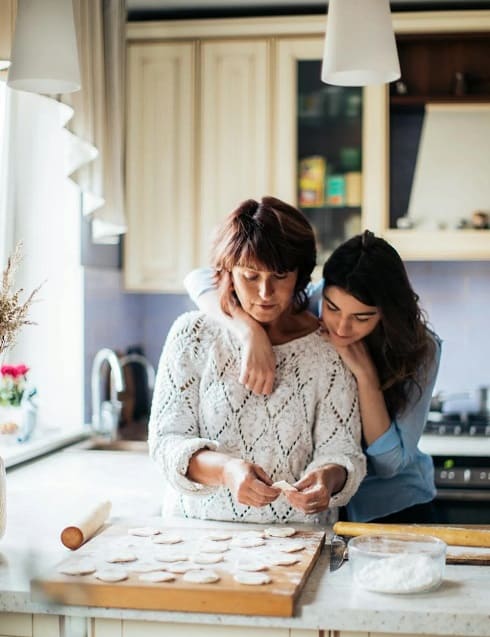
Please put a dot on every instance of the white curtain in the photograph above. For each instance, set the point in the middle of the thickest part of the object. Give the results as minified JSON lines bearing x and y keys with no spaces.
{"x":44,"y":213}
{"x":98,"y":121}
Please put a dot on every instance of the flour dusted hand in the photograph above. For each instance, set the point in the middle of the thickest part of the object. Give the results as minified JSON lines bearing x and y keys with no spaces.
{"x":249,"y":483}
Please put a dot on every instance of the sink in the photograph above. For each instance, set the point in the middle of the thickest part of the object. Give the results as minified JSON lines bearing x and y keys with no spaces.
{"x":101,"y":444}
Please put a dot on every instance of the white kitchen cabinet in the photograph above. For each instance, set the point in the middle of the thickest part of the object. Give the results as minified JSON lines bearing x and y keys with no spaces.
{"x":155,"y":629}
{"x":235,"y":127}
{"x":15,"y":625}
{"x":46,"y":626}
{"x":213,"y":119}
{"x":160,"y":165}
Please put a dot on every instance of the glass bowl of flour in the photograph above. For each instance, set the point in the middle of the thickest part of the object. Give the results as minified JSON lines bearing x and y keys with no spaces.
{"x":397,"y":564}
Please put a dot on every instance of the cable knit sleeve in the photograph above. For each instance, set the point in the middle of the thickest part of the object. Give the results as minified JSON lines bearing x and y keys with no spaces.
{"x":337,"y":430}
{"x":174,"y":432}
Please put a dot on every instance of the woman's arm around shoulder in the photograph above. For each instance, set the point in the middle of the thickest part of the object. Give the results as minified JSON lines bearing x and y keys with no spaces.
{"x":258,"y":362}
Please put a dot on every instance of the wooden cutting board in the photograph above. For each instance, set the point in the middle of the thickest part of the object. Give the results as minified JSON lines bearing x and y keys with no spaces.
{"x":225,"y":596}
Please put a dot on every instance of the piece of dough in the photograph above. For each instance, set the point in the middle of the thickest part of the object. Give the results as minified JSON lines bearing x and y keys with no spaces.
{"x":143,"y":567}
{"x":291,"y":547}
{"x":285,"y":560}
{"x":114,"y":574}
{"x":246,"y":542}
{"x":78,"y":567}
{"x":157,"y":576}
{"x":251,"y":565}
{"x":252,"y":579}
{"x":181,"y":567}
{"x":166,"y":538}
{"x":284,"y":486}
{"x":120,"y":555}
{"x":201,"y":577}
{"x":144,"y":531}
{"x":207,"y":558}
{"x":166,"y":556}
{"x":218,"y":536}
{"x":212,"y":547}
{"x":280,"y":531}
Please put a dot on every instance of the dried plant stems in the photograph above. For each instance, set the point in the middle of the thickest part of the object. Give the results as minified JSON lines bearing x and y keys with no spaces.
{"x":13,"y":312}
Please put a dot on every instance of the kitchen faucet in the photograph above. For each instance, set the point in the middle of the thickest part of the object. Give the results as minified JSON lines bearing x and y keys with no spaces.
{"x":105,"y":414}
{"x":149,"y":369}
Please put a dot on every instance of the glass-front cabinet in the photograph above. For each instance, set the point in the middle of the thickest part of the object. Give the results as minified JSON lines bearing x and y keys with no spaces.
{"x":318,"y":137}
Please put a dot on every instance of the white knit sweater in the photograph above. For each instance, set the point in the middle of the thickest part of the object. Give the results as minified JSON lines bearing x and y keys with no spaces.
{"x":311,"y":418}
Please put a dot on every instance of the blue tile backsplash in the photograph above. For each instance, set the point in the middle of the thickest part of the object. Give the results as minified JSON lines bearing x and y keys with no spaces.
{"x":455,"y":295}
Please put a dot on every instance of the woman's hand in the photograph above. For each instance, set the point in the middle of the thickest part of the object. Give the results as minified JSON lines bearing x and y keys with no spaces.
{"x":249,"y":483}
{"x":356,"y":357}
{"x":315,"y":489}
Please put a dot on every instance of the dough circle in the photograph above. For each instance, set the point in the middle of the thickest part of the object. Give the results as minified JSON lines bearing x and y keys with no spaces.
{"x":280,"y":531}
{"x":117,"y":556}
{"x":181,"y":567}
{"x":201,"y":577}
{"x":170,"y":557}
{"x":157,"y":576}
{"x":207,"y":558}
{"x":218,"y":536}
{"x":113,"y":574}
{"x":143,"y":567}
{"x":144,"y":531}
{"x":251,"y":565}
{"x":292,"y":547}
{"x":212,"y":547}
{"x":285,"y":560}
{"x":248,"y":542}
{"x":166,"y":538}
{"x":80,"y":567}
{"x":252,"y":579}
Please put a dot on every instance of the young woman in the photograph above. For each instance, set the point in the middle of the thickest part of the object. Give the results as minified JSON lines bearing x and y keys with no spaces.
{"x":219,"y":445}
{"x":370,"y":314}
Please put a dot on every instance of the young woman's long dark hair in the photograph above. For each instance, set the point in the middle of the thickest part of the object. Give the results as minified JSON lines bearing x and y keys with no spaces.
{"x":270,"y":233}
{"x":371,"y":270}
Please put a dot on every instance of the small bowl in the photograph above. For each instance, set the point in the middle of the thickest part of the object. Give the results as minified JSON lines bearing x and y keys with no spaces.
{"x":397,"y":563}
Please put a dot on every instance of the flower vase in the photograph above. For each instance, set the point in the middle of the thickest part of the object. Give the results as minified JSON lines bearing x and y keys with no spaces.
{"x":11,"y":421}
{"x":3,"y":498}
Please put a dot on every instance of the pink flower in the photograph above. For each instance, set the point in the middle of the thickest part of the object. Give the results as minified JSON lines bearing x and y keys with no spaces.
{"x":14,"y":370}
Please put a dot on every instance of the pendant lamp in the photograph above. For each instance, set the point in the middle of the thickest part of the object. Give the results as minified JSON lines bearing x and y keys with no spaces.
{"x":360,"y":46}
{"x":7,"y":18}
{"x":44,"y":52}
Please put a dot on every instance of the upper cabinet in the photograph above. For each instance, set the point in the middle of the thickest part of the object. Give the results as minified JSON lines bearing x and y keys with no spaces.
{"x":224,"y":110}
{"x":431,"y":198}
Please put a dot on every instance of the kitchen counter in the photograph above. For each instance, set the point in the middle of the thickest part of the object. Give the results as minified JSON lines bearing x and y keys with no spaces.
{"x":43,"y":496}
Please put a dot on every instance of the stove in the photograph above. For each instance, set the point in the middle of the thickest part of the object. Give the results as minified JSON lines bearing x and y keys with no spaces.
{"x":458,"y":424}
{"x":459,"y":444}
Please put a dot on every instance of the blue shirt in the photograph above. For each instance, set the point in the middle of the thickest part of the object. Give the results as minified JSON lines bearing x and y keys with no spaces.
{"x":399,"y":475}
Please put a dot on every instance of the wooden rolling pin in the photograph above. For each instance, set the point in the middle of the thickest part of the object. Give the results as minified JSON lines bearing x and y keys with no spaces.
{"x":456,"y":536}
{"x":75,"y":535}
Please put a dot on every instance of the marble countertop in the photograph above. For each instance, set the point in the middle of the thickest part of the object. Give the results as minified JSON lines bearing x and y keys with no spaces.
{"x":44,"y":495}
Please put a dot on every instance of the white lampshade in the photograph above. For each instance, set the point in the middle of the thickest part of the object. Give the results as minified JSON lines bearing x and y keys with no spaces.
{"x":7,"y":13}
{"x":360,"y":46}
{"x":44,"y":52}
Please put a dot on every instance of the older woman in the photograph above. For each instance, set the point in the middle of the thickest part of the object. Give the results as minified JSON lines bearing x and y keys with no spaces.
{"x":221,"y":446}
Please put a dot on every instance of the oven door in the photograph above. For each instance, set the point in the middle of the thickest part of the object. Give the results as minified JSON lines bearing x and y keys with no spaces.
{"x":463,"y":489}
{"x":462,"y":506}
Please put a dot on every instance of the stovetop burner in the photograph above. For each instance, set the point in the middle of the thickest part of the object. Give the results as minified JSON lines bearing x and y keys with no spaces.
{"x":458,"y":424}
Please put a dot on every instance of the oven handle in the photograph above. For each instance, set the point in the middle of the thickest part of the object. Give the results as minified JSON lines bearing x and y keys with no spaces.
{"x":469,"y":495}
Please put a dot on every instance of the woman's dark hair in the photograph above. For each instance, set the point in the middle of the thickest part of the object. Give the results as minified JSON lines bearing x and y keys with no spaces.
{"x":371,"y":270}
{"x":272,"y":234}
